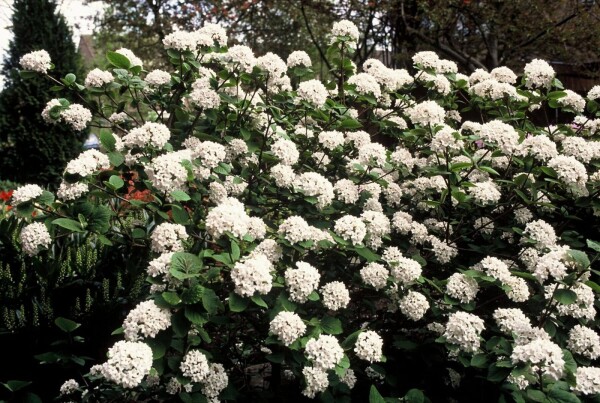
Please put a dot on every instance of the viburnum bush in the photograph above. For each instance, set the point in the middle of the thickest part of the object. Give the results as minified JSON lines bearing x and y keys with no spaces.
{"x":419,"y":235}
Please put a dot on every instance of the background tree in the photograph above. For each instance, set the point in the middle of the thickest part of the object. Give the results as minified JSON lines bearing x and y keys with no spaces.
{"x":31,"y":150}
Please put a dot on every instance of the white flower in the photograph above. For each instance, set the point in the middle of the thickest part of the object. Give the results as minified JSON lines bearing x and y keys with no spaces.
{"x":283,"y":175}
{"x":288,"y":326}
{"x":216,"y":32}
{"x":504,"y":75}
{"x":241,"y":57}
{"x":87,"y":163}
{"x":214,"y":382}
{"x":485,"y":192}
{"x":543,"y":355}
{"x":365,"y":84}
{"x":195,"y":366}
{"x":538,"y":74}
{"x":97,"y":78}
{"x":150,"y":133}
{"x":587,"y":380}
{"x":585,"y":341}
{"x":512,"y":320}
{"x":298,"y":58}
{"x":33,"y":237}
{"x":542,"y":233}
{"x":463,"y":329}
{"x":26,"y":193}
{"x":594,"y":92}
{"x":500,"y":133}
{"x":286,"y":151}
{"x":160,"y":266}
{"x":38,"y":60}
{"x":76,"y":116}
{"x":331,"y":139}
{"x":414,"y":305}
{"x":346,"y":191}
{"x":335,"y":295}
{"x":228,"y":216}
{"x":71,"y":191}
{"x":167,"y":237}
{"x":128,"y":363}
{"x":313,"y":91}
{"x":349,"y":378}
{"x":569,"y":170}
{"x":539,"y":147}
{"x":462,"y":287}
{"x":375,"y":275}
{"x":573,"y":101}
{"x":252,"y":275}
{"x":146,"y":320}
{"x":69,"y":386}
{"x":302,"y":281}
{"x":403,"y":269}
{"x":316,"y":381}
{"x":369,"y":346}
{"x":351,"y":229}
{"x":314,"y":184}
{"x":324,"y":352}
{"x":426,"y":113}
{"x":167,"y":173}
{"x":158,"y":77}
{"x":346,"y":28}
{"x":181,"y":40}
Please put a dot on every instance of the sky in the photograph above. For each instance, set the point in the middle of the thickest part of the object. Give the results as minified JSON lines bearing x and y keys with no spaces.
{"x":77,"y":14}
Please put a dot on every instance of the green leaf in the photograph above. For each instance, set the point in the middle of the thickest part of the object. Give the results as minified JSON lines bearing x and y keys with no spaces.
{"x":581,"y":258}
{"x":13,"y":386}
{"x":593,"y":245}
{"x":237,"y":303}
{"x":497,"y":374}
{"x":565,"y":296}
{"x":479,"y":361}
{"x":180,"y":195}
{"x":367,"y":254}
{"x":414,"y":396}
{"x":210,"y":301}
{"x":27,"y":74}
{"x":331,"y":325}
{"x":116,"y":182}
{"x":69,"y":224}
{"x":235,"y":251}
{"x":46,"y":198}
{"x":257,"y":299}
{"x":70,"y":78}
{"x":118,"y":60}
{"x":375,"y":396}
{"x":66,"y":325}
{"x":171,"y":298}
{"x":536,"y":395}
{"x":107,"y":140}
{"x":185,"y":265}
{"x":556,"y":395}
{"x":116,"y":158}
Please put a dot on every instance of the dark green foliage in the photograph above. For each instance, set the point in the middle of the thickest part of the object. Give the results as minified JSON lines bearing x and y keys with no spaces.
{"x":32,"y":151}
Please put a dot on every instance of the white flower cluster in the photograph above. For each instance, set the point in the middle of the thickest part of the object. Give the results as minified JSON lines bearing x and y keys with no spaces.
{"x":335,"y":295}
{"x":157,"y":78}
{"x":26,"y":193}
{"x":75,"y":115}
{"x":215,"y":381}
{"x":71,"y":191}
{"x":375,"y":275}
{"x":426,"y":113}
{"x":585,"y":341}
{"x":146,"y":319}
{"x":230,"y":216}
{"x":316,"y":381}
{"x":33,"y":237}
{"x":538,"y":74}
{"x":298,"y":58}
{"x":203,"y":95}
{"x":167,"y":237}
{"x":369,"y":346}
{"x":542,"y":355}
{"x":69,"y":386}
{"x":365,"y":84}
{"x":133,"y":59}
{"x":462,"y":287}
{"x":38,"y":61}
{"x":315,"y":184}
{"x":313,"y":91}
{"x":324,"y":352}
{"x":414,"y":305}
{"x":288,"y":326}
{"x":167,"y":173}
{"x":351,"y":228}
{"x":87,"y":163}
{"x":301,"y":282}
{"x":97,"y":78}
{"x":346,"y":28}
{"x":128,"y":363}
{"x":587,"y":380}
{"x":463,"y":329}
{"x":252,"y":275}
{"x":150,"y":133}
{"x":286,"y":151}
{"x":195,"y":366}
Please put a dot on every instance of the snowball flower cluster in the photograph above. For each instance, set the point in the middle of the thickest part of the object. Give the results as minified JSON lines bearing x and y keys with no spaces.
{"x":463,"y":330}
{"x":128,"y":363}
{"x":33,"y":237}
{"x":324,"y":352}
{"x":288,"y":326}
{"x":346,"y":28}
{"x":150,"y":133}
{"x":369,"y":346}
{"x":414,"y":305}
{"x":195,"y":366}
{"x":26,"y":193}
{"x":335,"y":295}
{"x":251,"y":275}
{"x":98,"y":78}
{"x":146,"y":319}
{"x":38,"y":61}
{"x":167,"y":237}
{"x":313,"y":91}
{"x":301,"y":282}
{"x":543,"y":355}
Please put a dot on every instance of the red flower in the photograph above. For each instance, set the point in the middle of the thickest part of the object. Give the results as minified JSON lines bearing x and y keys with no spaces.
{"x":6,"y":195}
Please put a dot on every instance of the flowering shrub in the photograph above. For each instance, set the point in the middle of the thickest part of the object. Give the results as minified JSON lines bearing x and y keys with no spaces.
{"x":406,"y":234}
